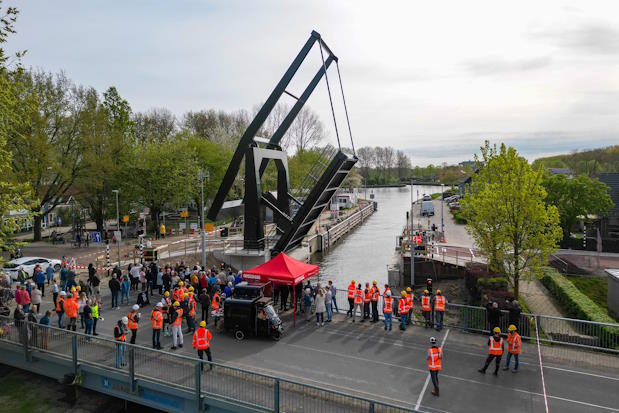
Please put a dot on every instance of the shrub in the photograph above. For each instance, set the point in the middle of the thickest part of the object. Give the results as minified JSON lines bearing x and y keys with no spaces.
{"x":578,"y":305}
{"x":458,"y":217}
{"x":492,"y":283}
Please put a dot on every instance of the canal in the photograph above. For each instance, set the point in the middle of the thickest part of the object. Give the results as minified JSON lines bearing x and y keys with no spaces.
{"x":366,"y":252}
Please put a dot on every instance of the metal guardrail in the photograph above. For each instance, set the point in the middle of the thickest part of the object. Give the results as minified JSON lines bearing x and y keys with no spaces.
{"x":235,"y":386}
{"x":585,"y":334}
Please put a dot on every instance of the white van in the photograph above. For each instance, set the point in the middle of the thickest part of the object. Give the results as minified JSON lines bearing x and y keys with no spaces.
{"x":427,"y":208}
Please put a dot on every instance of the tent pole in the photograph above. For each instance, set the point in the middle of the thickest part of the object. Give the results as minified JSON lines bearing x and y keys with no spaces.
{"x":294,"y":305}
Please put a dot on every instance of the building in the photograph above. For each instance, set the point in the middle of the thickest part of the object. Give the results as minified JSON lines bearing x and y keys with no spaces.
{"x":344,"y":200}
{"x":609,"y":226}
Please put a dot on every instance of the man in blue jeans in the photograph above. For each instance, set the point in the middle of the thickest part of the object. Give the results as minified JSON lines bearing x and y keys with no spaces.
{"x":333,"y":295}
{"x":388,"y":310}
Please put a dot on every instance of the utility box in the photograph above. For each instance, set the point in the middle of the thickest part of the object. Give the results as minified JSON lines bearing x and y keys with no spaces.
{"x":613,"y":292}
{"x":151,"y":255}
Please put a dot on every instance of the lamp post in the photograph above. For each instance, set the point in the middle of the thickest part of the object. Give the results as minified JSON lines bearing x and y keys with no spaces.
{"x":201,"y":177}
{"x":117,"y":225}
{"x":412,"y":244}
{"x":442,"y":205}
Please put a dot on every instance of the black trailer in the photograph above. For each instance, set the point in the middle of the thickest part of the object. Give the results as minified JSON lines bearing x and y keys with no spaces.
{"x":250,"y":312}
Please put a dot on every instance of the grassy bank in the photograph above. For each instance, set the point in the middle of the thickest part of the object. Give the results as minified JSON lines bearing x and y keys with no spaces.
{"x":595,"y":288}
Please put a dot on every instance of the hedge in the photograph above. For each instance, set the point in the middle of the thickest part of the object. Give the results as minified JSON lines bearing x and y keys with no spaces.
{"x":579,"y":306}
{"x":492,"y":283}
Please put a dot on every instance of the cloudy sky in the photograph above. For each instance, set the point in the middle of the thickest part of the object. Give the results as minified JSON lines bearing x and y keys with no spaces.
{"x":432,"y":78}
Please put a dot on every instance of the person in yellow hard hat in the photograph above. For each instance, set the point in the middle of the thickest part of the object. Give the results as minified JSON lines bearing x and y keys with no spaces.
{"x":375,"y":294}
{"x":352,"y":289}
{"x":514,"y":344}
{"x":409,"y":305}
{"x":202,"y":342}
{"x":440,"y":302}
{"x":426,"y":308}
{"x":403,"y":310}
{"x":176,"y":319}
{"x":495,"y":351}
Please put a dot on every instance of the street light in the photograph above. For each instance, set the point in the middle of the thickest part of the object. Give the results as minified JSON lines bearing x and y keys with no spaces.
{"x":442,"y":205}
{"x":201,"y":177}
{"x":412,"y":244}
{"x":117,"y":226}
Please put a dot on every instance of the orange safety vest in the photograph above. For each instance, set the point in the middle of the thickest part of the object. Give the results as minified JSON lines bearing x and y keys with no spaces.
{"x":358,"y":296}
{"x":351,"y":290}
{"x":122,"y":337}
{"x":409,"y":301}
{"x":366,"y":295}
{"x":435,"y":355}
{"x":425,"y":303}
{"x":439,"y":303}
{"x":179,"y":318}
{"x":402,"y":306}
{"x":59,"y":305}
{"x":71,"y":309}
{"x":157,"y":319}
{"x":201,"y":339}
{"x":215,"y":302}
{"x":192,"y":307}
{"x":175,"y":294}
{"x":388,"y":304}
{"x":133,"y":325}
{"x":496,"y":347}
{"x":375,"y":294}
{"x":514,"y":342}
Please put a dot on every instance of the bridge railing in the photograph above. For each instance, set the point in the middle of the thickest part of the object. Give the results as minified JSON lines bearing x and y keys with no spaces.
{"x":208,"y":381}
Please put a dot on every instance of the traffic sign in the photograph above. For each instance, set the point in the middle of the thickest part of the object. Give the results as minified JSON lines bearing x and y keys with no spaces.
{"x":125,"y":218}
{"x":184,"y":214}
{"x":95,"y":236}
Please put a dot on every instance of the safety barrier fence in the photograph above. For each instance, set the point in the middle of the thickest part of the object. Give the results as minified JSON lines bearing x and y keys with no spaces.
{"x":575,"y":333}
{"x":208,"y":381}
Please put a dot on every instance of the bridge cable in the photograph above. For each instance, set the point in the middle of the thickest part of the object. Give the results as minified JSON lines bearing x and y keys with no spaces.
{"x":329,"y":91}
{"x":337,"y":65}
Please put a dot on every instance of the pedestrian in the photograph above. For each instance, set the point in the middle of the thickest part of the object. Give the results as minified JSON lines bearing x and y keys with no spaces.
{"x":120,"y":336}
{"x":494,"y":315}
{"x":125,"y":286}
{"x":374,"y":295}
{"x":63,"y":277}
{"x":514,"y":313}
{"x":142,"y":278}
{"x":55,"y":291}
{"x":191,"y":312}
{"x":435,"y":359}
{"x":114,"y":286}
{"x":358,"y":302}
{"x":166,"y":305}
{"x":35,"y":298}
{"x":95,"y":286}
{"x":60,"y":304}
{"x":95,"y":315}
{"x":307,"y":303}
{"x":202,"y":342}
{"x":19,"y":318}
{"x":88,"y":318}
{"x":329,"y":303}
{"x":176,"y":317}
{"x":283,"y":304}
{"x":25,"y":298}
{"x":514,"y":345}
{"x":409,"y":305}
{"x":367,"y":298}
{"x":156,"y":318}
{"x":403,"y":310}
{"x":351,"y":298}
{"x":215,"y":304}
{"x":426,"y":308}
{"x":45,"y":323}
{"x":495,"y":351}
{"x":440,"y":302}
{"x":205,"y":303}
{"x":333,"y":295}
{"x":133,"y":319}
{"x":81,"y":303}
{"x":166,"y":278}
{"x":321,"y":307}
{"x":71,"y":308}
{"x":388,"y":310}
{"x":40,"y":281}
{"x":49,"y":273}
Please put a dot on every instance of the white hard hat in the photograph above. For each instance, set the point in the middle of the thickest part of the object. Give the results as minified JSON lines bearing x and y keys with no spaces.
{"x":63,"y":293}
{"x":135,"y":307}
{"x":159,"y":305}
{"x":125,"y":320}
{"x":433,"y":340}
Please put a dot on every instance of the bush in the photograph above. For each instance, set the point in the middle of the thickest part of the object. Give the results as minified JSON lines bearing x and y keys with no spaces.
{"x":458,"y":217}
{"x":492,"y":283}
{"x":578,"y":305}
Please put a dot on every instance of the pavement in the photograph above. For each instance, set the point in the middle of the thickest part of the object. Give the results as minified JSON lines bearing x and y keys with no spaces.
{"x":362,"y":359}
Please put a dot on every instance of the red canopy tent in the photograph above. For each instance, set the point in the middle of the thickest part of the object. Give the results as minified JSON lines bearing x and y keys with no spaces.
{"x":282,"y":270}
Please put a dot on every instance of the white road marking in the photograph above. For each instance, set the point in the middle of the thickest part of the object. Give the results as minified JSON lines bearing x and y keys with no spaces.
{"x":425,"y":385}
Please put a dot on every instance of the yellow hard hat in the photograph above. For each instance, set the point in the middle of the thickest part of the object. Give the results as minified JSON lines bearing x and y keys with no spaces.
{"x":202,"y":323}
{"x":185,"y":295}
{"x":496,"y":330}
{"x":403,"y":293}
{"x":176,"y":304}
{"x":511,"y":327}
{"x":78,"y":288}
{"x":72,"y":289}
{"x":166,"y":294}
{"x":353,"y":281}
{"x":181,"y":283}
{"x":190,"y":288}
{"x":408,"y":289}
{"x":426,"y":292}
{"x":438,"y":291}
{"x":374,"y":282}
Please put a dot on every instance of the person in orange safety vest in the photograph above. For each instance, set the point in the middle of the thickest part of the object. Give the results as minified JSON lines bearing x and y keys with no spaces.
{"x":156,"y":318}
{"x":409,"y":305}
{"x":134,"y":319}
{"x":202,"y":343}
{"x":514,"y":346}
{"x":440,"y":302}
{"x":358,"y":299}
{"x":374,"y":299}
{"x":495,"y":351}
{"x":426,"y":308}
{"x":367,"y":297}
{"x":176,"y":319}
{"x":351,"y":298}
{"x":403,"y":310}
{"x":388,"y":310}
{"x":71,"y":309}
{"x":435,"y":359}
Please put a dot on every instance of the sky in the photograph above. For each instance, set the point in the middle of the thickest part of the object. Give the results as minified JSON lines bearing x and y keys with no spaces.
{"x":434,"y":79}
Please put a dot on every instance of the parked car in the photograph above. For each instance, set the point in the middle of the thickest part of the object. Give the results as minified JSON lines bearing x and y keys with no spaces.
{"x":427,"y":208}
{"x":452,"y":198}
{"x":28,"y":264}
{"x":427,"y":197}
{"x":454,"y":206}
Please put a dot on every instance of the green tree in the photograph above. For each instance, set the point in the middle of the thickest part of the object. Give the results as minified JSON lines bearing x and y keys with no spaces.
{"x":507,"y":216}
{"x":576,"y":197}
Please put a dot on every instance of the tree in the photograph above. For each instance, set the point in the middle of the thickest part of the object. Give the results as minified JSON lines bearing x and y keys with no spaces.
{"x":216,"y":126}
{"x":507,"y":216}
{"x":403,"y":165}
{"x":156,"y":125}
{"x":305,"y":132}
{"x":576,"y":197}
{"x":14,"y":195}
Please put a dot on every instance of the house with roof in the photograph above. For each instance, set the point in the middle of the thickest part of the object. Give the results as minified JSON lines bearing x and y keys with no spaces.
{"x":609,"y":225}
